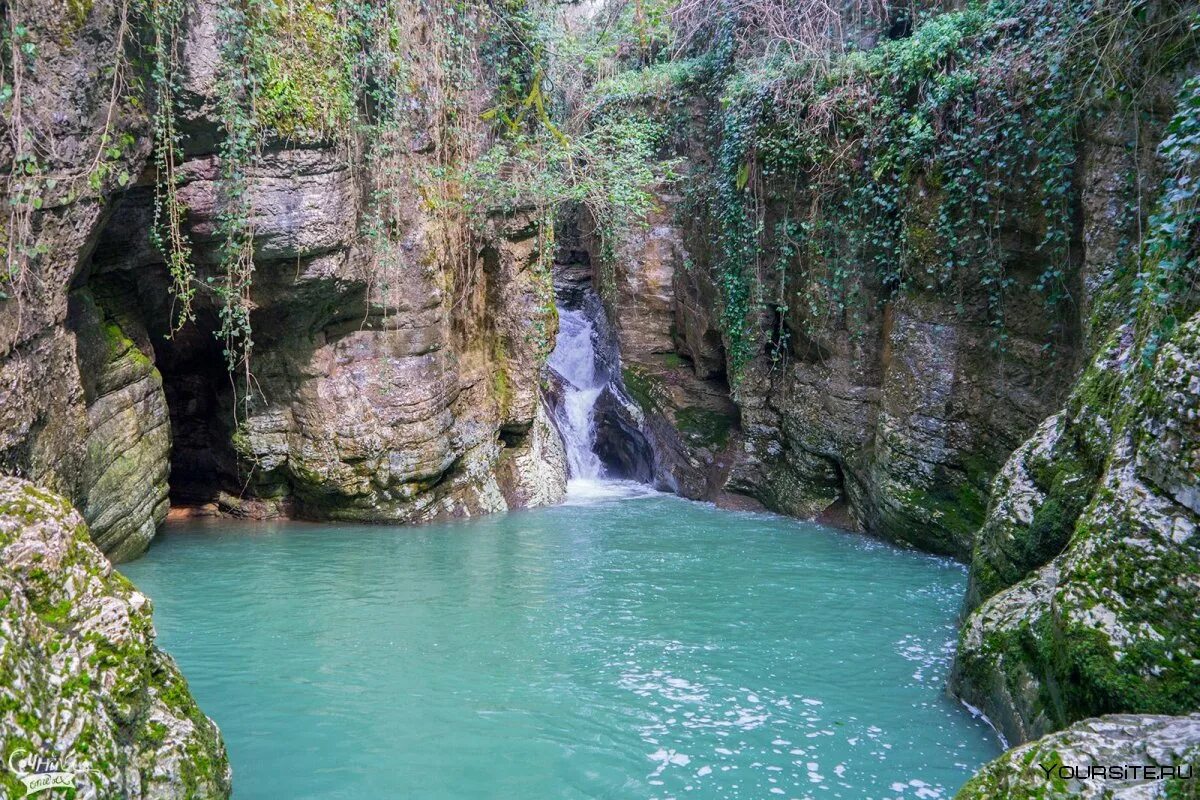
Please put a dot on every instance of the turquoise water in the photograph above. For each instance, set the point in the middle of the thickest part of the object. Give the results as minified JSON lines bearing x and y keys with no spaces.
{"x":640,"y":648}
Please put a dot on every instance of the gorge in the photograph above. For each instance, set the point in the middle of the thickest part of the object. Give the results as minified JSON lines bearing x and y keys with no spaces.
{"x":923,"y":276}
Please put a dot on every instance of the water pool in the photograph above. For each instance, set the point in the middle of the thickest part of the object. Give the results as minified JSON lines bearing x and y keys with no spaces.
{"x":612,"y":647}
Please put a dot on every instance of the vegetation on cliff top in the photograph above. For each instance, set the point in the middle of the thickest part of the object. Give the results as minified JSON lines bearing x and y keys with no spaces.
{"x":349,"y":74}
{"x":887,"y":150}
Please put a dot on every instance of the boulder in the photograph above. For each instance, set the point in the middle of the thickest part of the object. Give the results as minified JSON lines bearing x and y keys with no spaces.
{"x":82,"y":683}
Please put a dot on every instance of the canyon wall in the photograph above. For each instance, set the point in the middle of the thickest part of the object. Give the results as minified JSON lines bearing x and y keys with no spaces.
{"x":392,"y":377}
{"x":892,"y":418}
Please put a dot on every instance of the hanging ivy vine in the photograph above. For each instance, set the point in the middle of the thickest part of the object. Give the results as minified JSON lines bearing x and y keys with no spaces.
{"x":911,"y":166}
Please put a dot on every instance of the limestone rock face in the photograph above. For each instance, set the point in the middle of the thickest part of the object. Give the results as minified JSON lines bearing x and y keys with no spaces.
{"x":81,"y":680}
{"x":1109,"y":624}
{"x":129,"y":432}
{"x":535,"y":474}
{"x":899,"y":416}
{"x":1158,"y":757}
{"x":893,"y":418}
{"x":383,"y":385}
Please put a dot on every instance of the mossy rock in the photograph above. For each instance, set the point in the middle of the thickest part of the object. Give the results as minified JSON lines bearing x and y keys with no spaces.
{"x":79,"y":645}
{"x":643,"y":388}
{"x":1061,"y":764}
{"x":704,"y":426}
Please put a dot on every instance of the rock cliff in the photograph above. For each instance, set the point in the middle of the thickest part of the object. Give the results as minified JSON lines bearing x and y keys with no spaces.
{"x":386,"y":355}
{"x":1123,"y":755}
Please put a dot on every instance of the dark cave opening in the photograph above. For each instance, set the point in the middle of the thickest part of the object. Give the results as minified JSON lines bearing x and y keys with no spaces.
{"x":131,"y":284}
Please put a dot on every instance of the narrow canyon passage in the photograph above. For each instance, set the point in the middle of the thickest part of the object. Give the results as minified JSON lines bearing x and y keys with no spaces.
{"x":600,"y":399}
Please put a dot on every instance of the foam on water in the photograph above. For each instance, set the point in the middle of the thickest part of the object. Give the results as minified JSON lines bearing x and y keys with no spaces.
{"x":588,"y":491}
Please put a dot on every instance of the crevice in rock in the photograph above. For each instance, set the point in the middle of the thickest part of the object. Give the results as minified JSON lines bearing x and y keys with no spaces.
{"x":515,"y":435}
{"x":618,"y":441}
{"x":126,"y":273}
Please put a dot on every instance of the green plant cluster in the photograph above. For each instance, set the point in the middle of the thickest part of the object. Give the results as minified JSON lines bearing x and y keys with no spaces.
{"x":914,"y":165}
{"x":544,"y":156}
{"x":1166,"y":285}
{"x":306,"y":68}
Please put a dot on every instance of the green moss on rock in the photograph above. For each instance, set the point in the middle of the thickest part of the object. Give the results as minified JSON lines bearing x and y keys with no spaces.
{"x":704,"y":426}
{"x":79,"y":645}
{"x":642,"y":387}
{"x":1108,"y":623}
{"x":1058,"y":765}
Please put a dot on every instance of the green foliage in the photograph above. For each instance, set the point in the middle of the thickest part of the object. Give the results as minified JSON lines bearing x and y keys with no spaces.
{"x":515,"y":51}
{"x":78,"y":11}
{"x":912,"y":166}
{"x":656,"y":81}
{"x":608,"y":169}
{"x":305,"y":70}
{"x":1166,"y":283}
{"x":624,"y":37}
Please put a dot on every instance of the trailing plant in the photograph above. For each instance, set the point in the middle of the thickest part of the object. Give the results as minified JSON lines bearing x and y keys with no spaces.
{"x":317,"y":70}
{"x":238,"y":90}
{"x":909,"y":166}
{"x":167,"y":231}
{"x":1168,"y":281}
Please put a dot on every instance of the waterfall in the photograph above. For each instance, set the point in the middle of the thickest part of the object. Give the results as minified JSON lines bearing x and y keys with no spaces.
{"x":574,"y":358}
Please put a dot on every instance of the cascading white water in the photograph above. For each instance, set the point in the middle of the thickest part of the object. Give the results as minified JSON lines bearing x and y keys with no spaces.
{"x":574,"y":358}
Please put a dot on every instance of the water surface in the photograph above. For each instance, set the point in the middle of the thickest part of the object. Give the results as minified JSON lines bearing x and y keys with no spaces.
{"x":607,"y":648}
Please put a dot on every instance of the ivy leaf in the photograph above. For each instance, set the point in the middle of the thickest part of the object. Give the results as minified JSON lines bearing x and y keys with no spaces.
{"x":743,"y":176}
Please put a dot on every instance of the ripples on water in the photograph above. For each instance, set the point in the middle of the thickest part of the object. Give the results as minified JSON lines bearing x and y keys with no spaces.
{"x":622,"y":645}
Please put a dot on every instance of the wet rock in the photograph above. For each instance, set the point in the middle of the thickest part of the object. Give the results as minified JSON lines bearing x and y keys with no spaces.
{"x":129,"y":432}
{"x":620,"y":443}
{"x":85,"y":685}
{"x":1108,"y":625}
{"x":1151,"y":756}
{"x":533,"y":468}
